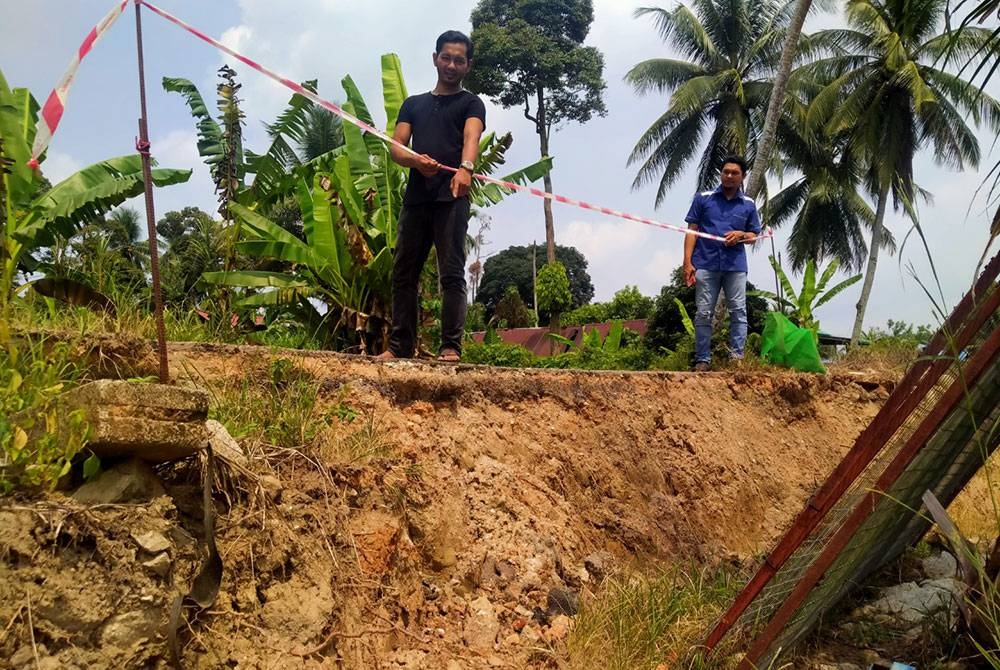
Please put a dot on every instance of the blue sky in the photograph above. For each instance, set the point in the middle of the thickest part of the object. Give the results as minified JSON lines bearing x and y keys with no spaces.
{"x":327,"y":39}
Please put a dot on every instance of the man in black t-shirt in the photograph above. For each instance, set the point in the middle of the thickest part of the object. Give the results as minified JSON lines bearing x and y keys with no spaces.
{"x":445,"y":126}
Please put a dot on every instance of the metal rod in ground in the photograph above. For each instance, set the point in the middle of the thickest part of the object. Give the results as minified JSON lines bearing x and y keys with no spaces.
{"x":147,"y":176}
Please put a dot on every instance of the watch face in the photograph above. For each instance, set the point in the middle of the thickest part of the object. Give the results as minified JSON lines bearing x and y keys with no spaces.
{"x":468,"y":165}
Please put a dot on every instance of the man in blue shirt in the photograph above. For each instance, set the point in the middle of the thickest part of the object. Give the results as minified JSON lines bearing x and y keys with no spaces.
{"x":714,"y":266}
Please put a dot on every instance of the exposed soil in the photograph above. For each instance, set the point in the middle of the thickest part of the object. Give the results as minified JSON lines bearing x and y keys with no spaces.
{"x":448,"y":525}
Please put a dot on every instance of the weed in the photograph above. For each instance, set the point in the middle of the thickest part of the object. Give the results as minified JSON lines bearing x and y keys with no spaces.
{"x":276,"y":405}
{"x":638,"y":622}
{"x":368,"y":441}
{"x":38,"y":437}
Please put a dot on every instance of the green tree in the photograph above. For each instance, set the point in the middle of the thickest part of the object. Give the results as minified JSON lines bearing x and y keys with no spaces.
{"x":891,"y":94}
{"x":554,"y":296}
{"x":628,"y":304}
{"x":732,"y":49}
{"x":530,"y":54}
{"x":829,"y":214}
{"x":195,"y":245}
{"x":511,"y":312}
{"x":513,"y":266}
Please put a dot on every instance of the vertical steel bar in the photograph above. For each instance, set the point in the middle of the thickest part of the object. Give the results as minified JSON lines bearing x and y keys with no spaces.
{"x":142,"y":146}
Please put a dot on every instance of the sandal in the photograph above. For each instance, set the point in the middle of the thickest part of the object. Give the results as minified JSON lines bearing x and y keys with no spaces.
{"x":386,"y":355}
{"x":449,"y":356}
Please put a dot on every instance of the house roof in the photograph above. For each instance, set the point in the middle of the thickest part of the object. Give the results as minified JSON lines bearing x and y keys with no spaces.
{"x":535,"y":340}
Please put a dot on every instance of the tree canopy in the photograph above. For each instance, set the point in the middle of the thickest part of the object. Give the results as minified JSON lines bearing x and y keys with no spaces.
{"x":530,"y":54}
{"x":512,"y":267}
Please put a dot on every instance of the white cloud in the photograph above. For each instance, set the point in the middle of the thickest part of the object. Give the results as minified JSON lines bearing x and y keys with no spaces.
{"x":57,"y":166}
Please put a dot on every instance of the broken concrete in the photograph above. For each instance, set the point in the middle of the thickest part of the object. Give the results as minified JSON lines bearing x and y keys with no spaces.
{"x":154,"y":422}
{"x":130,"y":481}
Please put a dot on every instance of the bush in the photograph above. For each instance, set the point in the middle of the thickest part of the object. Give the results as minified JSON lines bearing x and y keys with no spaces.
{"x":500,"y":354}
{"x":554,"y":296}
{"x":593,"y":313}
{"x":511,"y":311}
{"x":628,"y":304}
{"x":38,"y":436}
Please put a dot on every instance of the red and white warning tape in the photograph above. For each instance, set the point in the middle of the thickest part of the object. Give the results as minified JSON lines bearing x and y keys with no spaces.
{"x":56,"y":103}
{"x":59,"y":96}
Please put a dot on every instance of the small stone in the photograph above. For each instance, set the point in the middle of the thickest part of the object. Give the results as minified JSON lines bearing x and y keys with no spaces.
{"x":159,"y":565}
{"x":940,"y":566}
{"x":495,"y":662}
{"x":454,"y":665}
{"x":128,"y":481}
{"x":151,"y":541}
{"x":531,"y":633}
{"x":482,"y":626}
{"x":25,"y":656}
{"x":597,"y":565}
{"x":559,"y":628}
{"x":512,"y":639}
{"x":561,"y":600}
{"x":128,"y":629}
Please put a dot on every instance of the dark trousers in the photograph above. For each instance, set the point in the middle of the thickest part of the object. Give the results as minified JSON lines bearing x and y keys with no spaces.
{"x":445,"y":225}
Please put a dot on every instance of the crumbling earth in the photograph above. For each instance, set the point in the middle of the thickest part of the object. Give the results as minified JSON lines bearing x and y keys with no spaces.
{"x":456,"y":519}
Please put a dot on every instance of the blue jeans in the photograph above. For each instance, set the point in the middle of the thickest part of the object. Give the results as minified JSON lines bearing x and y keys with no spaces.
{"x":707,"y":285}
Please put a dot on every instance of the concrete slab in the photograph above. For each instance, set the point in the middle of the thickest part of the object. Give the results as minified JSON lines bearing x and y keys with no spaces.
{"x":153,"y":422}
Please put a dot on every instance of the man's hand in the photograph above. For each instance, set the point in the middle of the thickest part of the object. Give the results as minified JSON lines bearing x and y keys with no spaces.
{"x":735,"y":237}
{"x":689,"y":274}
{"x":426,"y":165}
{"x":460,"y":183}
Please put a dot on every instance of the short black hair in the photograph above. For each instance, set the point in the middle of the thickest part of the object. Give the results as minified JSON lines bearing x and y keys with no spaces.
{"x":735,"y":160}
{"x":454,"y":37}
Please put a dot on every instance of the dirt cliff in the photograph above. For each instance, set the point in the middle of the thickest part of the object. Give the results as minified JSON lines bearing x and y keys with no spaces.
{"x":451,"y":518}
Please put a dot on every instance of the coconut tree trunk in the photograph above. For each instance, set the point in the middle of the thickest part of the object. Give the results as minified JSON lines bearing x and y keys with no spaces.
{"x":766,"y":144}
{"x":542,"y":127}
{"x":873,"y":249}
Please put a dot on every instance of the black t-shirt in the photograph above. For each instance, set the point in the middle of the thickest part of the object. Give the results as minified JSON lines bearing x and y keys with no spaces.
{"x":438,"y":125}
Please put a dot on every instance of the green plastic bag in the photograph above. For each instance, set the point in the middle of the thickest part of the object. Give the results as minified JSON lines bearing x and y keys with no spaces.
{"x":784,"y":343}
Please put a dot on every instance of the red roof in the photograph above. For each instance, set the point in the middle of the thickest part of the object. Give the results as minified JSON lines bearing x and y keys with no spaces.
{"x":534,"y":340}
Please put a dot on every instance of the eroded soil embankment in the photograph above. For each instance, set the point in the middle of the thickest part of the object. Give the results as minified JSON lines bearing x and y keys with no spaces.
{"x":490,"y":493}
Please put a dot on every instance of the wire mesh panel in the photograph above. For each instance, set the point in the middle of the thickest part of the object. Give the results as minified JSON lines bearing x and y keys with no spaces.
{"x":934,"y":433}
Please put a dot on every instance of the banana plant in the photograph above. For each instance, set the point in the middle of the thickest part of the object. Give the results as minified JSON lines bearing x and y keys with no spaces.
{"x":350,"y":201}
{"x":802,"y":304}
{"x":33,"y":215}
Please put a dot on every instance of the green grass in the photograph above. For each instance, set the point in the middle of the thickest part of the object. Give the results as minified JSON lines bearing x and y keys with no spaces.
{"x":38,"y":436}
{"x":638,"y":622}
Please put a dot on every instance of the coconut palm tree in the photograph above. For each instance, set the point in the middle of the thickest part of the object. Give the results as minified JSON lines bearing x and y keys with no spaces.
{"x":891,"y":93}
{"x":731,"y":48}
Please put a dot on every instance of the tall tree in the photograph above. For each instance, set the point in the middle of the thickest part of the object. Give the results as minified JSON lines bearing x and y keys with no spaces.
{"x":891,"y":94}
{"x":530,"y":54}
{"x":512,"y":267}
{"x":765,"y":146}
{"x":723,"y":86}
{"x":826,"y":204}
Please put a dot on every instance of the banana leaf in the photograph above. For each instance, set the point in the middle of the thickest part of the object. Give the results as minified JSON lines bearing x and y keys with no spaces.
{"x":254,"y":279}
{"x":18,"y":120}
{"x":210,"y":137}
{"x":393,"y":90}
{"x":87,"y":194}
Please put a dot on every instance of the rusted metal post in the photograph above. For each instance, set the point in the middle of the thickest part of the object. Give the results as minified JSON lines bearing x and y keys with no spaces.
{"x":142,"y":146}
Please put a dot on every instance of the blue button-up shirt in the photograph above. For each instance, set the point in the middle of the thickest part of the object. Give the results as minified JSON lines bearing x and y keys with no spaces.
{"x":712,"y":213}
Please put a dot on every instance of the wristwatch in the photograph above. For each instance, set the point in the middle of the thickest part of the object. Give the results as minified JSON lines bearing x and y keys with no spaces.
{"x":468,"y":165}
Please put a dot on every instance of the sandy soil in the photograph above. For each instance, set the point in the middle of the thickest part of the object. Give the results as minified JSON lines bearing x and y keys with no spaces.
{"x":446,"y":526}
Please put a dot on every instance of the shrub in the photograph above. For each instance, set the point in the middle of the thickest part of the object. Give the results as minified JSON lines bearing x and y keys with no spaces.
{"x":38,"y":436}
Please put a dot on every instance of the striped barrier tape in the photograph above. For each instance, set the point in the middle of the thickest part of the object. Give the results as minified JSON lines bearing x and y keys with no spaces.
{"x":368,"y":128}
{"x":55,"y":105}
